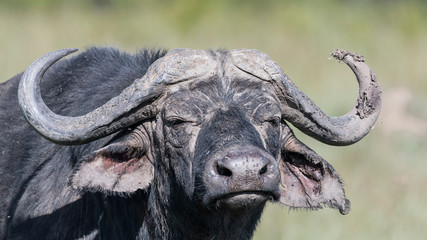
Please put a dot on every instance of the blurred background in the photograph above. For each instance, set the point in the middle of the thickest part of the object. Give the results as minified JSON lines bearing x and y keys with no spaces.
{"x":385,"y":174}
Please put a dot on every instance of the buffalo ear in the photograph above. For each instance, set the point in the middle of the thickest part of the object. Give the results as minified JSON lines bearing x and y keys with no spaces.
{"x":307,"y":180}
{"x":116,"y":168}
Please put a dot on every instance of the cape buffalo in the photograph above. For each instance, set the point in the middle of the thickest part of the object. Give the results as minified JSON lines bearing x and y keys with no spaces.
{"x":188,"y":144}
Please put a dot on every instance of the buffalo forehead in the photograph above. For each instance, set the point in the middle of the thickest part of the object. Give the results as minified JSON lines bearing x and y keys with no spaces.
{"x":193,"y":100}
{"x":215,"y":79}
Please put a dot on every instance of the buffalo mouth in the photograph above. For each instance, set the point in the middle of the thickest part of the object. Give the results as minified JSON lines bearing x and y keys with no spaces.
{"x":244,"y":199}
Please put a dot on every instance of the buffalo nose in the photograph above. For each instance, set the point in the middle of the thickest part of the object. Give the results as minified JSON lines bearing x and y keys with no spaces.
{"x":246,"y":164}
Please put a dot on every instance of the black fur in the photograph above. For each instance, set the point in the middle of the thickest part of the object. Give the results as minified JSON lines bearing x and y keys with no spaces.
{"x":37,"y":199}
{"x":33,"y":171}
{"x":60,"y":192}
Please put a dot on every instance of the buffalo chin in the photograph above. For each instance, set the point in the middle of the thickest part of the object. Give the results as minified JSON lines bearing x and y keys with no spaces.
{"x":243,"y":200}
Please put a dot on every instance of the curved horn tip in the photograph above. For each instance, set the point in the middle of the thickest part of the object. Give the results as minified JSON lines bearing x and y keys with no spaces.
{"x":340,"y":54}
{"x":65,"y":51}
{"x":70,"y":50}
{"x":342,"y":130}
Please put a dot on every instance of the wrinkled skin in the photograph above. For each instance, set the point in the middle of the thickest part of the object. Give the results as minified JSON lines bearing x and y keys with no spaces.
{"x":209,"y":121}
{"x":202,"y":130}
{"x":201,"y":124}
{"x":203,"y":167}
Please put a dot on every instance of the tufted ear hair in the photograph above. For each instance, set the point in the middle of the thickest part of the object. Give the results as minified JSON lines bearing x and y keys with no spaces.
{"x":307,"y":180}
{"x":121,"y":167}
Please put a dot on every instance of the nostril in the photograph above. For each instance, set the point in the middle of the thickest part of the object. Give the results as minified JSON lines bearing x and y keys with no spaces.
{"x":223,"y":171}
{"x":263,"y":170}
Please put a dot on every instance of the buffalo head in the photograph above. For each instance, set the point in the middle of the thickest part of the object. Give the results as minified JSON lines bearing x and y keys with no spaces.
{"x":212,"y":125}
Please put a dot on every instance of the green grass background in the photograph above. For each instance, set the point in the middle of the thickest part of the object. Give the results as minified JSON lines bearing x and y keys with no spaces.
{"x":385,"y":174}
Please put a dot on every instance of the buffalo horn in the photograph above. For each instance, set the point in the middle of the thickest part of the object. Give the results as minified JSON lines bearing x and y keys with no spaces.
{"x":74,"y":130}
{"x":347,"y":129}
{"x":137,"y":102}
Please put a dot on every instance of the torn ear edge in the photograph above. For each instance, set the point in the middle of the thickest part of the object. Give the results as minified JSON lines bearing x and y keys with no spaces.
{"x":114,"y":169}
{"x":307,"y":180}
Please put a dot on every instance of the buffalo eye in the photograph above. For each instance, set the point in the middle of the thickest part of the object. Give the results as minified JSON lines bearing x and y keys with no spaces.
{"x":177,"y":123}
{"x":273,"y":121}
